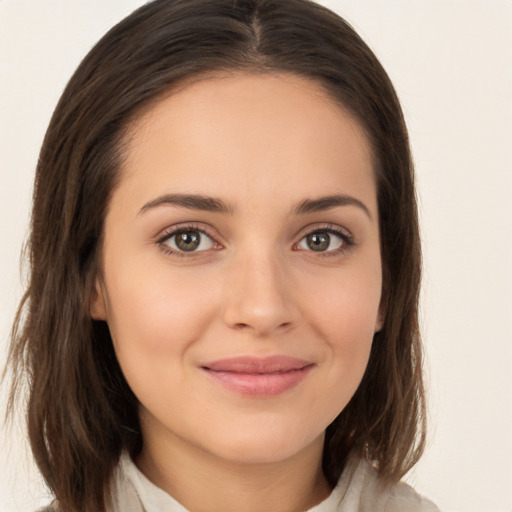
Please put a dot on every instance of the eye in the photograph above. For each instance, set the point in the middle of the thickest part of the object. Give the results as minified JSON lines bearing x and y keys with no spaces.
{"x":187,"y":240}
{"x":324,"y":241}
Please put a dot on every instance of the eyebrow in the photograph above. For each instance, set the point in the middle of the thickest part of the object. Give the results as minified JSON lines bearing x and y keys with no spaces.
{"x":327,"y":202}
{"x":212,"y":204}
{"x":191,"y":201}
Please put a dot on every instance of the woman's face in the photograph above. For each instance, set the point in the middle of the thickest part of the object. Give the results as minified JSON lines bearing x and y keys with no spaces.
{"x":241,"y":270}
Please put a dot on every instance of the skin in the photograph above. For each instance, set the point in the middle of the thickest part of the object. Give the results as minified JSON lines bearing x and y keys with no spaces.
{"x":262,"y":144}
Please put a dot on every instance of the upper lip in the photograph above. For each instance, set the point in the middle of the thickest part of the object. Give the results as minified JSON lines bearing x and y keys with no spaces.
{"x":255,"y":365}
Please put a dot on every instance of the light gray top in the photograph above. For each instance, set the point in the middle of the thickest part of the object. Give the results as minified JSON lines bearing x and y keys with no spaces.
{"x":358,"y":490}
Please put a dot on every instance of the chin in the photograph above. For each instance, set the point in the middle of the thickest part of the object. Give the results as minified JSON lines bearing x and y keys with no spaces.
{"x":258,"y":448}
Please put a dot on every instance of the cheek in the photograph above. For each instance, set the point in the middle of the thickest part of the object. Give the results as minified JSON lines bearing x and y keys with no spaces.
{"x":345,"y":316}
{"x":154,"y":316}
{"x":346,"y":305}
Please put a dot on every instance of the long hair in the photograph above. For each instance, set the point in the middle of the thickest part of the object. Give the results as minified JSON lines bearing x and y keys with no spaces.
{"x":81,"y":413}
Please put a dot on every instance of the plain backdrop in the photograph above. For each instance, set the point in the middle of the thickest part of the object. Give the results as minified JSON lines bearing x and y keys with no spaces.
{"x":451,"y":64}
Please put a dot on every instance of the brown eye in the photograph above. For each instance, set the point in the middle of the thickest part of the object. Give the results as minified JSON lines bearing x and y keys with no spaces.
{"x":190,"y":240}
{"x":318,"y":241}
{"x":322,"y":241}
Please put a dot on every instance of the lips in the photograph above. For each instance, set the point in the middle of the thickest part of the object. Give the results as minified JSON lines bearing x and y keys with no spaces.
{"x":255,"y":376}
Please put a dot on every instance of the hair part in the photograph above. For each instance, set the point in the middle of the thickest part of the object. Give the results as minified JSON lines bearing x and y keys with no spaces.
{"x":81,"y":413}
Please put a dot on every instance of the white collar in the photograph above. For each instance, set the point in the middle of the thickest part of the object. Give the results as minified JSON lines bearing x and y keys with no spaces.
{"x":153,"y":499}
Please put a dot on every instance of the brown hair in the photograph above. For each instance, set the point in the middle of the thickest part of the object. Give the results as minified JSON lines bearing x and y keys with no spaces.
{"x":81,"y":412}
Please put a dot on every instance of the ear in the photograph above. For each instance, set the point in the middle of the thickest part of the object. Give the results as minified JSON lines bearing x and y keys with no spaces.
{"x":97,"y":306}
{"x":381,"y":315}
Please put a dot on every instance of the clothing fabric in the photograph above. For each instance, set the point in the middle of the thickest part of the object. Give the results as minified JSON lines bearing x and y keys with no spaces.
{"x":358,"y":490}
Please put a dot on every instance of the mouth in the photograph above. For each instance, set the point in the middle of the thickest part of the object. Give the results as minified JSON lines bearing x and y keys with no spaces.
{"x":254,"y":376}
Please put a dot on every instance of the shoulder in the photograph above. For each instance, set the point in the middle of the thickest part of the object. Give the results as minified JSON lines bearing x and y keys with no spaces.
{"x":399,"y":497}
{"x":49,"y":508}
{"x":403,"y":497}
{"x":360,"y":489}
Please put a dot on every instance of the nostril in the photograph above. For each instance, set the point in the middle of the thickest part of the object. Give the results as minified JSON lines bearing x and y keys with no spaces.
{"x":241,"y":326}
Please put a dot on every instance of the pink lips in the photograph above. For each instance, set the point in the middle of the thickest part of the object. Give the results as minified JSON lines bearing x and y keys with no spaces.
{"x":255,"y":376}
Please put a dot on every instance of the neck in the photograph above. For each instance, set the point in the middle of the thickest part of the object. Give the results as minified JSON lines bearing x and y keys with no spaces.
{"x":202,"y":482}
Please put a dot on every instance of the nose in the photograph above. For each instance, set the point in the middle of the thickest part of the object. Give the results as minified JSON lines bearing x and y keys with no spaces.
{"x":259,"y":297}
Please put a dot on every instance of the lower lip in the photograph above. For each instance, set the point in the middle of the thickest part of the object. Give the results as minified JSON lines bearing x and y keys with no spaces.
{"x":260,"y":384}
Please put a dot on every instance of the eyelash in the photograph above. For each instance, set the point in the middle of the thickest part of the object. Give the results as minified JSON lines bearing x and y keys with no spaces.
{"x":175,"y":230}
{"x":344,"y":234}
{"x":346,"y":237}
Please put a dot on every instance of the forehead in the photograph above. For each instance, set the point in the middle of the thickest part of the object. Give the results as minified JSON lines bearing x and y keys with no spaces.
{"x":236,"y":132}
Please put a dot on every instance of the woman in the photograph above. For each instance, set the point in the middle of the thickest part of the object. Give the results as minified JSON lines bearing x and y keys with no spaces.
{"x":222,"y":311}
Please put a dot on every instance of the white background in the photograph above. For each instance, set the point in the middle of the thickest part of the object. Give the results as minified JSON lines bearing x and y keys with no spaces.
{"x":451,"y":64}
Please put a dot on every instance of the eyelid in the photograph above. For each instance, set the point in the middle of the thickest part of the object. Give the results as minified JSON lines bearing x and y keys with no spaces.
{"x":324,"y":226}
{"x":344,"y":233}
{"x":173,"y":230}
{"x":178,"y":228}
